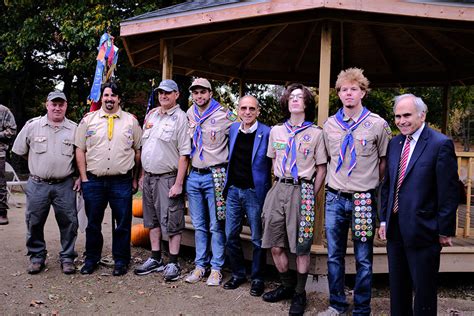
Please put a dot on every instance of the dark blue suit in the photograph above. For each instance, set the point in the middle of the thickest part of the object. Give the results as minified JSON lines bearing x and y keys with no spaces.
{"x":428,"y":200}
{"x":247,"y":202}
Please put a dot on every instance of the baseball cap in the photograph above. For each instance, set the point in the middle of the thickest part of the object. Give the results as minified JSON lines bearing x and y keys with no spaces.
{"x":201,"y":82}
{"x":56,"y":94}
{"x":168,"y":85}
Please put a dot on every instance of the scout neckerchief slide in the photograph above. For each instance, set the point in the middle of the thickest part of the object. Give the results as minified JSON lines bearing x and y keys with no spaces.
{"x":218,"y":176}
{"x":214,"y":106}
{"x":348,"y":139}
{"x":291,"y":147}
{"x":363,"y":219}
{"x":306,"y":219}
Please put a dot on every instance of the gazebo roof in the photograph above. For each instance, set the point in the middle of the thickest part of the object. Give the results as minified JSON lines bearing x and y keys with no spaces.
{"x":276,"y":41}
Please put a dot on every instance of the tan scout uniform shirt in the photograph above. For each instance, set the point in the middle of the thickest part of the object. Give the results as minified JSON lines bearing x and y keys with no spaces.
{"x":164,"y":140}
{"x":50,"y":149}
{"x":310,"y":151}
{"x":215,"y":135}
{"x":370,"y":140}
{"x":106,"y":157}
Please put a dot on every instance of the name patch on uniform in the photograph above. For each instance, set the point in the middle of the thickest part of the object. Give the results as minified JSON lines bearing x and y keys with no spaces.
{"x":40,"y":139}
{"x":279,"y":145}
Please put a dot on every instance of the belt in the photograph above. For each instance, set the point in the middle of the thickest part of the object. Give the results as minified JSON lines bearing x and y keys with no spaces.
{"x":116,"y":176}
{"x":172,"y":173}
{"x":345,"y":195}
{"x":292,"y":181}
{"x":206,"y":170}
{"x":48,"y":181}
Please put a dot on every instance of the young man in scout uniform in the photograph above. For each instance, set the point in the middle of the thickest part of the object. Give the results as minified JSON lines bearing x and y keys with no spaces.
{"x":47,"y":143}
{"x":299,"y":164}
{"x":209,"y":124}
{"x":108,"y":158}
{"x":165,"y":154}
{"x":7,"y":131}
{"x":247,"y":182}
{"x":356,"y":140}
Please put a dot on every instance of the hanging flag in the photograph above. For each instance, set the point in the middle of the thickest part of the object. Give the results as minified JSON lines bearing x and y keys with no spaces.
{"x":104,"y":71}
{"x":151,"y":98}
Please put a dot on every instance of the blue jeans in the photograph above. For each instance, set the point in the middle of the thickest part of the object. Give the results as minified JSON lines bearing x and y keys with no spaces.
{"x":200,"y":190}
{"x":338,"y":221}
{"x":117,"y":191}
{"x":242,"y":202}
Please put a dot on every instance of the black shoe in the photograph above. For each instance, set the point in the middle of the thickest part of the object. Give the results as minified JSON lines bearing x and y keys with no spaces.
{"x":280,"y":293}
{"x":257,"y":288}
{"x":234,"y":283}
{"x":120,"y":269}
{"x":298,"y":304}
{"x":88,"y":268}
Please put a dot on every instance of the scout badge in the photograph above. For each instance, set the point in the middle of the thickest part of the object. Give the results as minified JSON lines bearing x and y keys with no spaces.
{"x":348,"y":139}
{"x":363,"y":219}
{"x":306,"y":219}
{"x":218,"y":176}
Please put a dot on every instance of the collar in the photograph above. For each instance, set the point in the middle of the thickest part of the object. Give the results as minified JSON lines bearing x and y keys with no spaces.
{"x":252,"y":128}
{"x":102,"y":113}
{"x":416,"y":135}
{"x":355,"y":118}
{"x":44,"y":121}
{"x":169,"y":111}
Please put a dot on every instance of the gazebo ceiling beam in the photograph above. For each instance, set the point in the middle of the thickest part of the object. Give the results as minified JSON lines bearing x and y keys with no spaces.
{"x":148,"y":55}
{"x":144,"y":46}
{"x":423,"y":43}
{"x":270,"y":35}
{"x":453,"y":42}
{"x":227,"y":44}
{"x":383,"y":50}
{"x":193,"y":38}
{"x":309,"y":37}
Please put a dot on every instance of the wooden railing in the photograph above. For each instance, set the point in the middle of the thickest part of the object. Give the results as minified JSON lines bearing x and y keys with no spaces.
{"x":466,"y":171}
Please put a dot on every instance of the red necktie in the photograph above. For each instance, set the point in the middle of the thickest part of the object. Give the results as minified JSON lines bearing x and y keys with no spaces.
{"x":402,"y":168}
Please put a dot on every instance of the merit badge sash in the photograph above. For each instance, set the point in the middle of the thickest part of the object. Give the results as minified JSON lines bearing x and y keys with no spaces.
{"x":363,"y":218}
{"x":218,"y":175}
{"x":306,"y":219}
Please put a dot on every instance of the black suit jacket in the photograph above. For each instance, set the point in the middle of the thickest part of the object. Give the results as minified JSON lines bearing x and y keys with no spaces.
{"x":428,"y":196}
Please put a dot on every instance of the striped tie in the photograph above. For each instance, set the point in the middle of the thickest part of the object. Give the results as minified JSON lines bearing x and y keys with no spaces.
{"x":402,"y":168}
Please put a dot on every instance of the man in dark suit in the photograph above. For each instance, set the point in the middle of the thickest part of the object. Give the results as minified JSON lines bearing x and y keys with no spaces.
{"x":418,"y":213}
{"x":247,"y":183}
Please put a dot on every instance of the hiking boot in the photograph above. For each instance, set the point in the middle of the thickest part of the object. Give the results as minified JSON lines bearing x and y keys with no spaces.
{"x":35,"y":267}
{"x":215,"y":278}
{"x":172,"y":272}
{"x":278,"y":294}
{"x":196,"y":275}
{"x":298,"y":304}
{"x":68,"y":268}
{"x":150,"y":265}
{"x":3,"y":219}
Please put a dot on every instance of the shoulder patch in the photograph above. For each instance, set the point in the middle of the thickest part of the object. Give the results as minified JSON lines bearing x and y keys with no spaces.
{"x":231,"y":116}
{"x":387,"y":129}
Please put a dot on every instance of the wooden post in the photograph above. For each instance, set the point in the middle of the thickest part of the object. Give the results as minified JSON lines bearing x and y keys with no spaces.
{"x":167,"y":59}
{"x":323,"y":113}
{"x":467,"y":223}
{"x":446,"y":99}
{"x":241,"y":87}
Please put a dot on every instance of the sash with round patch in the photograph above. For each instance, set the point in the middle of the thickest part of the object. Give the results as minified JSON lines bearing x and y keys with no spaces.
{"x":306,"y":219}
{"x":218,"y":176}
{"x":363,"y":216}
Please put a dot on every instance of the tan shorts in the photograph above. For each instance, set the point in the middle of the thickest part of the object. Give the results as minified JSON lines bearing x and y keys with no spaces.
{"x":280,"y":216}
{"x":159,"y":210}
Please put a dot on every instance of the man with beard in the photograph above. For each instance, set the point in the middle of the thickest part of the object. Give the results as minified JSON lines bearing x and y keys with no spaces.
{"x":356,"y":140}
{"x":209,"y":126}
{"x":108,"y":158}
{"x":47,"y":143}
{"x":165,"y":157}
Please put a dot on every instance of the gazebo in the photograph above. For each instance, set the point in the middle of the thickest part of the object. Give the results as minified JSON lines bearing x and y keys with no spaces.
{"x":397,"y":43}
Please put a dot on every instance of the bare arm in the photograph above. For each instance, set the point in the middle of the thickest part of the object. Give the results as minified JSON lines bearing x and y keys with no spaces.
{"x":136,"y":170}
{"x":382,"y":165}
{"x":81,"y":164}
{"x":177,"y":187}
{"x":320,"y":177}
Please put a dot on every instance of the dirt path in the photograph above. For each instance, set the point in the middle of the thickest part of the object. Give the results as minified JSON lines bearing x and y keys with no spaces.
{"x":53,"y":293}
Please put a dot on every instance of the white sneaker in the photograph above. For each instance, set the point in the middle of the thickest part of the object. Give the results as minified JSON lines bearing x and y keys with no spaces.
{"x":215,"y":278}
{"x":196,"y":275}
{"x":331,"y":311}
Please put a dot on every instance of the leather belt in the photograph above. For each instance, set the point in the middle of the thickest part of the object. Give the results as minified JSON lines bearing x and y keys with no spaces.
{"x":172,"y":173}
{"x":292,"y":181}
{"x":206,"y":170}
{"x":48,"y":181}
{"x":345,"y":195}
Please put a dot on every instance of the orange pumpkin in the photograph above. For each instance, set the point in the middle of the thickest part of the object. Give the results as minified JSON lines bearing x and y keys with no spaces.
{"x":140,"y":236}
{"x":137,"y":208}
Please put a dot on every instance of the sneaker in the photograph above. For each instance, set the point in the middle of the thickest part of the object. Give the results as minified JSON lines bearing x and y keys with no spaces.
{"x":68,"y":268}
{"x":4,"y":219}
{"x":331,"y":311}
{"x":196,"y":275}
{"x":172,"y":272}
{"x":215,"y":278}
{"x":149,"y":266}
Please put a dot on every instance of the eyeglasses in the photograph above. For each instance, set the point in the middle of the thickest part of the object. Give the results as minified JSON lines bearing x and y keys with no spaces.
{"x":296,"y":96}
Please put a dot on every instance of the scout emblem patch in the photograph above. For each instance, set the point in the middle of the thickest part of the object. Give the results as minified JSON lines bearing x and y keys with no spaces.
{"x":306,"y":219}
{"x":363,"y":223}
{"x":218,"y":176}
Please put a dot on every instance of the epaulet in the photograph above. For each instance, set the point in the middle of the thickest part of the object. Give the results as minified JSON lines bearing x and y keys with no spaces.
{"x":279,"y":124}
{"x":152,"y":111}
{"x":33,"y":119}
{"x":316,"y":126}
{"x":71,"y":122}
{"x":374,"y":115}
{"x":87,"y":114}
{"x":230,"y":115}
